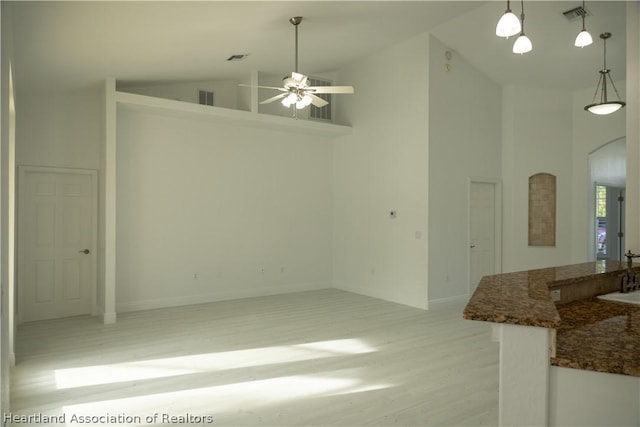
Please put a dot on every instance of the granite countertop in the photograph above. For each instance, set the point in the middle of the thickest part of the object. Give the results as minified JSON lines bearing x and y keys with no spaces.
{"x":523,"y":298}
{"x":591,"y":334}
{"x":598,"y":335}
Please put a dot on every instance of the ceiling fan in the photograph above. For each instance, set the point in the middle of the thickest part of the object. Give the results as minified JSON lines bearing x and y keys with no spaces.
{"x":295,"y":89}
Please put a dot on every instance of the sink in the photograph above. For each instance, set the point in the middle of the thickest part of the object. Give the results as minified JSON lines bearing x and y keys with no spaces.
{"x":629,"y":297}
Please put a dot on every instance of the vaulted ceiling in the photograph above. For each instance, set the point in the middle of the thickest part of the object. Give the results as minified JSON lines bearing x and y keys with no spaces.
{"x":66,"y":45}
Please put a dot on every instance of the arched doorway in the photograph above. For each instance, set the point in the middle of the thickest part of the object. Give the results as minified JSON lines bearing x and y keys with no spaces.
{"x":607,"y":166}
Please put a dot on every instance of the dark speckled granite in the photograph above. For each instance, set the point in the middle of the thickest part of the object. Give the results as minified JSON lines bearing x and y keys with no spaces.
{"x":599,"y":336}
{"x":591,"y":334}
{"x":523,"y":298}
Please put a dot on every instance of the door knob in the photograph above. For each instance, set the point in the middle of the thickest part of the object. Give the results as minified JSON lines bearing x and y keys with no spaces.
{"x":85,"y":251}
{"x":472,"y":246}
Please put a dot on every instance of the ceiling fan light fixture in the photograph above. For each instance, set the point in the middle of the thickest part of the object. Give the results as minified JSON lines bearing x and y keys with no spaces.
{"x":305,"y":101}
{"x":289,"y":100}
{"x":605,"y":106}
{"x":295,"y":88}
{"x":509,"y":24}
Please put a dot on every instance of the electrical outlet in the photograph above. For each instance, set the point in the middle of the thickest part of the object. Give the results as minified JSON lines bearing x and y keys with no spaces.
{"x":555,"y":295}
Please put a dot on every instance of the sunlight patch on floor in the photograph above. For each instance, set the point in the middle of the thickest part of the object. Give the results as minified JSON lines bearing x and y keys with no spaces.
{"x":209,"y":362}
{"x":235,"y":397}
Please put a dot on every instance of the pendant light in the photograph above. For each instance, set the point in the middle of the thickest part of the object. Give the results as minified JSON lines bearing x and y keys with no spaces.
{"x":522,"y":44}
{"x":604,"y":106}
{"x":584,"y":38}
{"x":509,"y":24}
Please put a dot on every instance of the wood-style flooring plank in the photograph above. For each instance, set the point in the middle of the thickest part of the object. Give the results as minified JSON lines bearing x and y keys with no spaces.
{"x":328,"y":357}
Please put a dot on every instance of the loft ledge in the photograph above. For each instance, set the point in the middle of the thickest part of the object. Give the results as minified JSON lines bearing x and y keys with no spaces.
{"x":173,"y":108}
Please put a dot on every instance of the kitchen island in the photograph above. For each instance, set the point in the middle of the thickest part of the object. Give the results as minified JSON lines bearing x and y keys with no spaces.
{"x":566,"y":357}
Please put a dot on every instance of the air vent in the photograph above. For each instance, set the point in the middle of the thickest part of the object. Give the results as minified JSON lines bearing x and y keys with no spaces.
{"x":576,"y":13}
{"x":237,"y":57}
{"x":205,"y":97}
{"x":320,"y":113}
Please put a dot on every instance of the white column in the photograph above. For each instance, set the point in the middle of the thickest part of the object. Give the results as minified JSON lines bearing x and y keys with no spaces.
{"x":632,"y":226}
{"x":524,"y":376}
{"x":109,"y":314}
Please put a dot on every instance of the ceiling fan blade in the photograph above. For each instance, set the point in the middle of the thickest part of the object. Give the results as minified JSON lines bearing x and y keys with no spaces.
{"x":274,"y":98}
{"x":264,"y":87}
{"x":316,"y":100}
{"x":330,"y":89}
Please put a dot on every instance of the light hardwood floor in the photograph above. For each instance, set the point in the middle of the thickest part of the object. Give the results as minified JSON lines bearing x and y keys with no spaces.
{"x":327,"y":357}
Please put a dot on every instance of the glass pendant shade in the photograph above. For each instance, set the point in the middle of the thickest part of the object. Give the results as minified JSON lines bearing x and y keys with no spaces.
{"x":522,"y":45}
{"x":604,"y":109}
{"x":508,"y":25}
{"x":289,"y":100}
{"x":583,"y":39}
{"x":303,"y":102}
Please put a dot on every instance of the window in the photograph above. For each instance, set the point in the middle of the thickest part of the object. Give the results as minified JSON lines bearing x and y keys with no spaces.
{"x":601,"y":220}
{"x":205,"y":97}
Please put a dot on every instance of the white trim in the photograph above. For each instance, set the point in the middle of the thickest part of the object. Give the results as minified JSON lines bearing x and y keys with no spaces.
{"x":22,"y":171}
{"x":176,"y":301}
{"x":109,"y":213}
{"x":173,"y":108}
{"x":388,"y":295}
{"x":458,"y":301}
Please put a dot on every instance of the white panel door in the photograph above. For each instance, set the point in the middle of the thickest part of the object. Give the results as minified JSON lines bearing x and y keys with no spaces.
{"x":57,"y":233}
{"x":482,"y":232}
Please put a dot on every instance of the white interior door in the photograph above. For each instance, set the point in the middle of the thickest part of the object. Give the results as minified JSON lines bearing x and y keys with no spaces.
{"x":56,"y":241}
{"x":482,"y":232}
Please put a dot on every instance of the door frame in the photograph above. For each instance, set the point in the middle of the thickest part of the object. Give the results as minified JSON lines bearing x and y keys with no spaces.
{"x":497,"y":230}
{"x":23,"y":170}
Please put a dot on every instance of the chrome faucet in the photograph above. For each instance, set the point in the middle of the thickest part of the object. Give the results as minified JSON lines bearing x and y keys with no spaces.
{"x":629,"y":282}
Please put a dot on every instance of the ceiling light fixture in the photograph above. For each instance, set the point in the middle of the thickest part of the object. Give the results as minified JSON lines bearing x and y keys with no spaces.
{"x":509,"y":24}
{"x":522,"y":44}
{"x":605,"y":106}
{"x":584,"y":38}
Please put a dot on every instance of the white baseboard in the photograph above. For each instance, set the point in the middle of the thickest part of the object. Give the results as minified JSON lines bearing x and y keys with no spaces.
{"x":126,"y":306}
{"x":109,"y":318}
{"x":458,"y":301}
{"x":386,"y":296}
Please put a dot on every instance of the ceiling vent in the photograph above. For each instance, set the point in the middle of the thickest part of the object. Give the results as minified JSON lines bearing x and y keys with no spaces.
{"x":237,"y":57}
{"x":576,"y":13}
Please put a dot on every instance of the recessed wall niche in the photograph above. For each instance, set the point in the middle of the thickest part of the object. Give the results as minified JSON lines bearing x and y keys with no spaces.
{"x":542,"y":210}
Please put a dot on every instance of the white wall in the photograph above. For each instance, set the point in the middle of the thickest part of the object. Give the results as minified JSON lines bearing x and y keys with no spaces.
{"x":537,"y":137}
{"x":225,"y":92}
{"x":590,"y":132}
{"x":247,"y":210}
{"x":60,"y":130}
{"x":464,"y":142}
{"x":382,"y":166}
